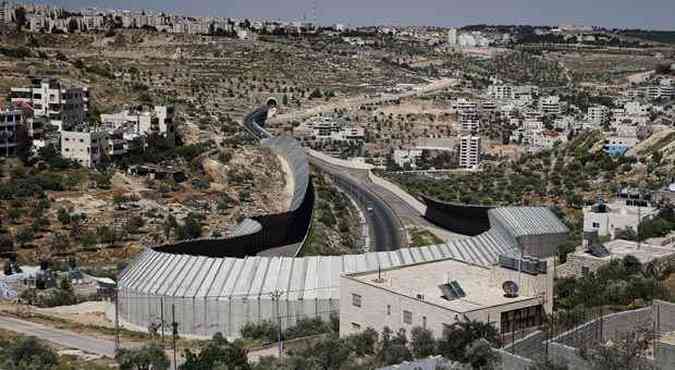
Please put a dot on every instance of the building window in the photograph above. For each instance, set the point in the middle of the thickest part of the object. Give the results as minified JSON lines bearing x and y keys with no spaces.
{"x":356,"y":326}
{"x":596,"y":225}
{"x":356,"y":300}
{"x":516,"y":320}
{"x":407,"y":317}
{"x":388,"y":310}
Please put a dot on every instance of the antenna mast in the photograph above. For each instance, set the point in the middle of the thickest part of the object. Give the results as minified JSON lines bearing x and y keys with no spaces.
{"x":315,"y":20}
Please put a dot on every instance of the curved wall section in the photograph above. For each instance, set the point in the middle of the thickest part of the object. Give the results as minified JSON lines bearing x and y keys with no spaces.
{"x":213,"y":294}
{"x":272,"y":231}
{"x":292,"y":152}
{"x":459,"y":218}
{"x":275,"y":231}
{"x":219,"y":285}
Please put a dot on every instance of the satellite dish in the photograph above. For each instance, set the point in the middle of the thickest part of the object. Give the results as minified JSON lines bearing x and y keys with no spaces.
{"x":672,"y":187}
{"x":510,"y":289}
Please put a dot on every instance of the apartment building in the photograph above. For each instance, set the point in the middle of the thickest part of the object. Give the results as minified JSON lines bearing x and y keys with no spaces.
{"x":348,"y":134}
{"x":407,"y":158}
{"x":597,"y":114}
{"x":529,"y":91}
{"x":468,"y":116}
{"x":636,"y":108}
{"x":163,"y":122}
{"x":63,"y":107}
{"x":452,"y":37}
{"x":6,"y":12}
{"x":469,"y":121}
{"x":158,"y":120}
{"x":13,"y":134}
{"x":469,"y":151}
{"x":500,"y":92}
{"x":550,"y":105}
{"x":434,"y":295}
{"x":665,"y":89}
{"x":464,"y":105}
{"x":607,"y":218}
{"x":86,"y":146}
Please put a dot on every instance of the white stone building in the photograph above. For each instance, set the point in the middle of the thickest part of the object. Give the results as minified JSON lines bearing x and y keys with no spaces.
{"x":437,"y":294}
{"x":589,"y":259}
{"x":469,"y":121}
{"x":63,"y":107}
{"x":159,"y":120}
{"x":500,"y":91}
{"x":452,"y":37}
{"x":469,"y":151}
{"x":348,"y":134}
{"x":597,"y":114}
{"x":607,"y":219}
{"x":87,"y":147}
{"x":665,"y":89}
{"x":6,"y":12}
{"x":550,"y":105}
{"x":407,"y":158}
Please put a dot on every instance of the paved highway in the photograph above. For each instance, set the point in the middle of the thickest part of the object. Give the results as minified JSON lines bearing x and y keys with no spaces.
{"x":60,"y":337}
{"x":386,"y":230}
{"x":403,"y":212}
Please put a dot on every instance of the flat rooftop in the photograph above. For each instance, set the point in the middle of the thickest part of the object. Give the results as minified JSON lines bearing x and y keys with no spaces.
{"x":668,"y":339}
{"x":619,"y":248}
{"x":425,"y":279}
{"x":619,"y":206}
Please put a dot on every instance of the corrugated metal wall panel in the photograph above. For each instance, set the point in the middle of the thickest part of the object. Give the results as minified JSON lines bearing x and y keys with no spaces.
{"x":210,"y":264}
{"x":312,"y":277}
{"x":259,"y":277}
{"x":155,"y":281}
{"x":189,"y":278}
{"x":218,"y":278}
{"x":232,"y":279}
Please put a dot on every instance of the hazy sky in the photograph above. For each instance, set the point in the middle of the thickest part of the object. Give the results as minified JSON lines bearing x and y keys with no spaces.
{"x":653,"y":14}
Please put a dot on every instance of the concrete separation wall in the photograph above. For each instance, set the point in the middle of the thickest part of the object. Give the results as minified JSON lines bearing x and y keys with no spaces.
{"x":339,"y":162}
{"x":412,"y":201}
{"x":459,"y":218}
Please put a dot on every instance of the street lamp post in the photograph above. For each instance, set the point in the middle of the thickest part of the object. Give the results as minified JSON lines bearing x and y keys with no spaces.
{"x":276,"y":296}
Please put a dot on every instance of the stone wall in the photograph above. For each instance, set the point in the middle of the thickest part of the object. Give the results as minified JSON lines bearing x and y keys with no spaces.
{"x":575,"y":263}
{"x":665,"y":355}
{"x":513,"y":362}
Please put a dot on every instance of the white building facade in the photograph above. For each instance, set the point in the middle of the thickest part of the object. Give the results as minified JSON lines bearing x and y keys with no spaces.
{"x":469,"y":151}
{"x":159,"y":120}
{"x":63,"y":107}
{"x":437,"y":294}
{"x":86,"y":147}
{"x":607,"y":219}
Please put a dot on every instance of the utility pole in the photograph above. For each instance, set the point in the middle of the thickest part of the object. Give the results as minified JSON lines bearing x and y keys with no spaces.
{"x":117,"y":320}
{"x":174,"y":326}
{"x":276,"y":296}
{"x":161,"y":317}
{"x":638,"y":226}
